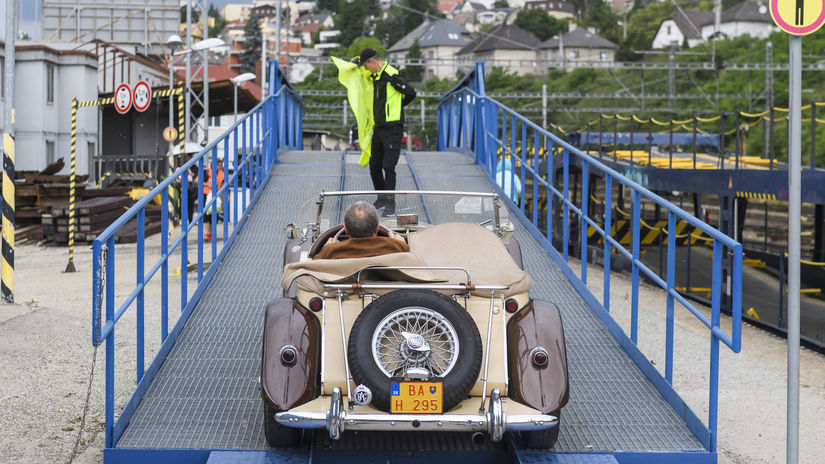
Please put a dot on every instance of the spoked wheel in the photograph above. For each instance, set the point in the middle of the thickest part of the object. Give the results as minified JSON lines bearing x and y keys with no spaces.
{"x":415,"y":333}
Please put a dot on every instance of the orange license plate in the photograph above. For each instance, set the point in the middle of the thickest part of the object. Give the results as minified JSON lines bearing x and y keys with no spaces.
{"x":417,"y":398}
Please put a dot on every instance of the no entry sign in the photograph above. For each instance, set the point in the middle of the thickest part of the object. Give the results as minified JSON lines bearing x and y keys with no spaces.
{"x":123,"y":98}
{"x":798,"y":17}
{"x":142,"y":96}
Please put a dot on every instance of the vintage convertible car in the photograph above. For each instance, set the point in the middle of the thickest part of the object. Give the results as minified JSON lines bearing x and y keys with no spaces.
{"x":442,"y":338}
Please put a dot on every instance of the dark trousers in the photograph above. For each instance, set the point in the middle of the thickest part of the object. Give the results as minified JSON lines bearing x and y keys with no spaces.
{"x":384,"y":153}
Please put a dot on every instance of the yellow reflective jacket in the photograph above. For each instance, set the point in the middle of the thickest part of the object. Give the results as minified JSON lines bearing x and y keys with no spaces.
{"x":358,"y":82}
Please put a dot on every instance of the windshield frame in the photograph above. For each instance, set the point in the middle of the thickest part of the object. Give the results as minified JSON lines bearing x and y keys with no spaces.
{"x":496,"y":201}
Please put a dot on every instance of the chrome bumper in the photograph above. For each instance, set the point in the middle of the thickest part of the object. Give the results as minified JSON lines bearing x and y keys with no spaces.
{"x":494,"y":421}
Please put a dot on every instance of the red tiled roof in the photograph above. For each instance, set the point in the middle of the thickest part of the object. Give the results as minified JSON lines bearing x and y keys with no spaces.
{"x":223,"y":73}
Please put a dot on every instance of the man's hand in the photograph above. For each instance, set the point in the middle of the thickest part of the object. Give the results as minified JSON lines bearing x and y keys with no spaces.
{"x":395,"y":236}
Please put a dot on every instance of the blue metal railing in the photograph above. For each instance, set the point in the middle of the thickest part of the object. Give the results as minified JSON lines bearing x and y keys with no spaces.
{"x":470,"y":121}
{"x":254,"y":139}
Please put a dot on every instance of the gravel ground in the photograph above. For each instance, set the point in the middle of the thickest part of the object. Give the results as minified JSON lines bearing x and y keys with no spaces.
{"x":45,"y":345}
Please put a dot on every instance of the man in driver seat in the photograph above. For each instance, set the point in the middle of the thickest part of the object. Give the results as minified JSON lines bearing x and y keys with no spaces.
{"x":361,"y":225}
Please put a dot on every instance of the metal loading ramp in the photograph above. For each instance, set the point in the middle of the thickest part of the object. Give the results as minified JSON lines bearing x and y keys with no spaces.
{"x":206,"y":395}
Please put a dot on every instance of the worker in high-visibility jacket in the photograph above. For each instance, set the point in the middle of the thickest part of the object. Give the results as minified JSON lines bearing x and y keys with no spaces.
{"x":390,"y":94}
{"x":208,"y":181}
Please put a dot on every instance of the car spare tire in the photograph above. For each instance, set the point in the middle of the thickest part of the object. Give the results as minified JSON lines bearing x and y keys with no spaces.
{"x":415,"y":329}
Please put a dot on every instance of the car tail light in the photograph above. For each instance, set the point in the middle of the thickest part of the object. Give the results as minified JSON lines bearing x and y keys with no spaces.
{"x":289,"y":354}
{"x":540,"y":357}
{"x":315,"y":304}
{"x":511,"y":305}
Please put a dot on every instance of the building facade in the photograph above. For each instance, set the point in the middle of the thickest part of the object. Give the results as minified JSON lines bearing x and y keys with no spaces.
{"x":47,"y":76}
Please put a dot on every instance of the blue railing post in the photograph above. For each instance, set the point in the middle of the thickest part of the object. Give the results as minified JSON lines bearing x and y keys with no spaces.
{"x":608,"y":232}
{"x":201,"y":212}
{"x":671,"y":283}
{"x":565,"y":226}
{"x":110,"y":340}
{"x":164,"y":268}
{"x":583,"y":221}
{"x":184,"y":246}
{"x":140,"y":276}
{"x":214,"y":209}
{"x":634,"y":299}
{"x":226,"y":203}
{"x":550,"y":178}
{"x":523,"y":160}
{"x":716,"y":299}
{"x":535,"y":177}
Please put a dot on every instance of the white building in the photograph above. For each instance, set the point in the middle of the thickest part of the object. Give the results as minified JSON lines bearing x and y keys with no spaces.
{"x":578,"y":44}
{"x":47,"y":76}
{"x":750,"y":18}
{"x":507,"y":44}
{"x":439,"y":40}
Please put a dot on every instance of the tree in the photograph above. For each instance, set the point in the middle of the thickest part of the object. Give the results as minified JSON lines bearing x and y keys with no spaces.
{"x":642,"y":26}
{"x":351,"y":20}
{"x":401,"y":21}
{"x":599,"y":15}
{"x":359,"y":44}
{"x":414,"y":73}
{"x":251,"y":53}
{"x":501,"y":4}
{"x":539,"y":23}
{"x":218,"y":21}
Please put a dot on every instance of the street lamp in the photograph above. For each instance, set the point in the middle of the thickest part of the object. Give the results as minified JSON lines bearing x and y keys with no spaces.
{"x":237,"y":80}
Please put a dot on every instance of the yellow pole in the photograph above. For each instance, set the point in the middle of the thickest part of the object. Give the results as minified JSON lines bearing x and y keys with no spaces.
{"x":7,"y":284}
{"x":72,"y":170}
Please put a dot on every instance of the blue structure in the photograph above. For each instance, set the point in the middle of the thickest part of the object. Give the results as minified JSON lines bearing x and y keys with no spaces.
{"x":270,"y":170}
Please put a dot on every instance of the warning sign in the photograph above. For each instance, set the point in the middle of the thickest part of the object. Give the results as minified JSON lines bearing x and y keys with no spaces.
{"x":123,"y":98}
{"x":142,"y":96}
{"x":798,"y":17}
{"x":170,"y":134}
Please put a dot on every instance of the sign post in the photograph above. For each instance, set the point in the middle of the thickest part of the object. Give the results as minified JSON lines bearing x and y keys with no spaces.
{"x":798,"y":18}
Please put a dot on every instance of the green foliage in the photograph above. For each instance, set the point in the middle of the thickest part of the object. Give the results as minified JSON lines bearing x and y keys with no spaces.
{"x":414,"y":73}
{"x":219,"y":21}
{"x":401,"y":21}
{"x":351,"y":19}
{"x":251,"y":53}
{"x":359,"y":44}
{"x":598,"y":14}
{"x":501,"y":4}
{"x":327,"y":5}
{"x":539,"y":23}
{"x":642,"y":26}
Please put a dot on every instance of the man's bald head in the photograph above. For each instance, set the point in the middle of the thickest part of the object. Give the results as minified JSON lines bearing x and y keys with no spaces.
{"x":361,"y":220}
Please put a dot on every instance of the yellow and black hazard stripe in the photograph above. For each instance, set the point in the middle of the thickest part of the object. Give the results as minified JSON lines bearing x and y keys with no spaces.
{"x":7,"y":271}
{"x":98,"y":102}
{"x":167,"y":92}
{"x":756,"y":195}
{"x":72,"y":170}
{"x":621,"y":231}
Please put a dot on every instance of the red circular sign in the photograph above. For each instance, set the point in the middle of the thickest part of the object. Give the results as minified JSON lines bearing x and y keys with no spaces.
{"x":123,"y":98}
{"x":142,"y":96}
{"x":799,"y":17}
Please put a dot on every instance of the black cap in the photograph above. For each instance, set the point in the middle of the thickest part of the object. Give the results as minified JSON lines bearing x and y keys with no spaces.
{"x":366,"y":55}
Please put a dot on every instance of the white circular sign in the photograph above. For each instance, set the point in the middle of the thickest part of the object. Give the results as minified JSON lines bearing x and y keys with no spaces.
{"x":142,"y":96}
{"x":123,"y":98}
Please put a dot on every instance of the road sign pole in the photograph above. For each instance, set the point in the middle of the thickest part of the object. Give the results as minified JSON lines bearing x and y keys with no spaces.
{"x":7,"y":258}
{"x":794,"y":205}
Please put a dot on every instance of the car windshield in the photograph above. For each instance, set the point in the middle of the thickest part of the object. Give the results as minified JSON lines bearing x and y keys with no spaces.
{"x":413,"y":209}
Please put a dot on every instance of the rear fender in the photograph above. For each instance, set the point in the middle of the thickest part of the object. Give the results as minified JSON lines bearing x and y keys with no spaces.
{"x":288,"y":323}
{"x":537,"y":325}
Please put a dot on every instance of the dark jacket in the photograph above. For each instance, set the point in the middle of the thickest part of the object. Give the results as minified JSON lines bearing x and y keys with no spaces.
{"x":390,"y":94}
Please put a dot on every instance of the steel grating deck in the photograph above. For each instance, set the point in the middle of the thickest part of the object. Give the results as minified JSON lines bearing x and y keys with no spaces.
{"x":206,"y":395}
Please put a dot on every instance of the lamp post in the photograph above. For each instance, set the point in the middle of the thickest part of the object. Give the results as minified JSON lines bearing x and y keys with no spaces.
{"x":236,"y":81}
{"x":173,"y":42}
{"x":203,"y":45}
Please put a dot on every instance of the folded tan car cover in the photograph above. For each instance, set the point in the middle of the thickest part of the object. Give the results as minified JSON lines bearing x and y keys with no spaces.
{"x":458,"y":244}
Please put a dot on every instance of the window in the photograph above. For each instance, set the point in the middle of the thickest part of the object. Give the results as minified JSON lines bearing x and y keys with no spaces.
{"x":49,"y":152}
{"x":668,"y":29}
{"x":432,"y":73}
{"x":2,"y":78}
{"x":49,"y":83}
{"x":430,"y":54}
{"x":603,"y":55}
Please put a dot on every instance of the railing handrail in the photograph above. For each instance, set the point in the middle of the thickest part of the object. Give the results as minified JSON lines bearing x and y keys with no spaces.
{"x":474,"y":123}
{"x":165,"y":183}
{"x":715,"y":233}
